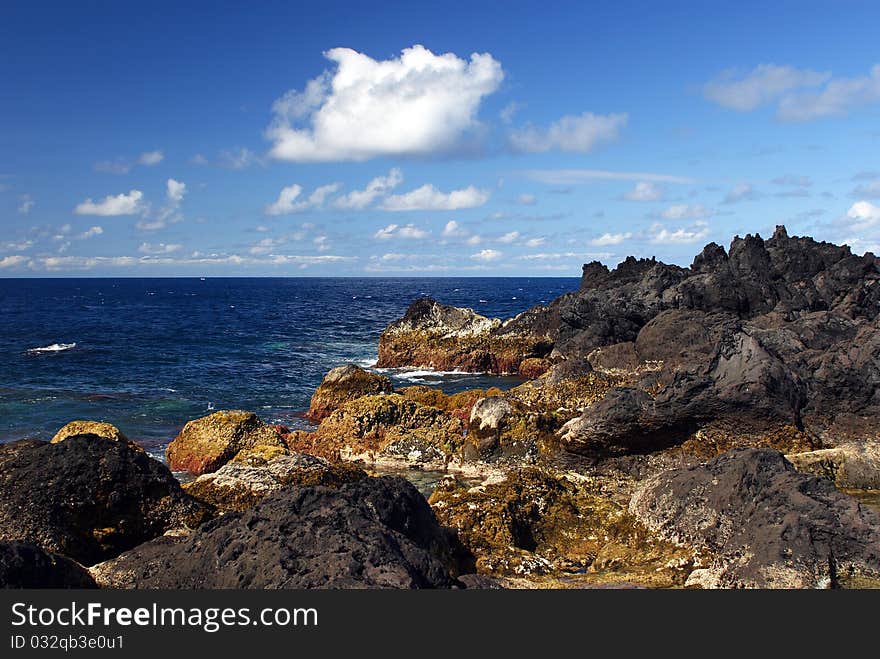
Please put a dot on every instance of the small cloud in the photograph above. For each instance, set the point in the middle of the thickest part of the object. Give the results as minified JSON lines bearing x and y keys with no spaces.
{"x":159,"y":248}
{"x":694,"y":233}
{"x":240,"y":158}
{"x":610,"y":239}
{"x":454,"y":230}
{"x":13,"y":261}
{"x":26,"y":204}
{"x":764,"y":84}
{"x":509,"y":237}
{"x":487,"y":255}
{"x":686,"y":212}
{"x":644,"y":191}
{"x":429,"y":198}
{"x":408,"y":232}
{"x":175,"y":190}
{"x":576,"y":134}
{"x":118,"y":167}
{"x":376,"y":188}
{"x":740,"y":192}
{"x":198,"y":159}
{"x":150,"y":158}
{"x":870,"y":190}
{"x":121,"y":204}
{"x":526,"y":199}
{"x":535,"y":242}
{"x":508,"y":111}
{"x":793,"y":181}
{"x":288,"y":200}
{"x":90,"y":233}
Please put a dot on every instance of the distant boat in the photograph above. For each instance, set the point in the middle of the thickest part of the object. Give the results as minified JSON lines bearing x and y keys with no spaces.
{"x":202,"y":278}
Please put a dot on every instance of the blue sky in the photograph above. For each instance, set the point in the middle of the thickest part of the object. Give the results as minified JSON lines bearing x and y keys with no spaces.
{"x":443,"y":139}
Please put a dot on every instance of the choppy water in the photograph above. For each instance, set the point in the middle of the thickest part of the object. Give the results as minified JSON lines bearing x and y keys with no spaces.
{"x":150,"y":354}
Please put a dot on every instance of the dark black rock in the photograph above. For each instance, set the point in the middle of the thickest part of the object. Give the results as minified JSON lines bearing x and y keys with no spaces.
{"x":375,"y":533}
{"x":761,"y":524}
{"x":88,"y":498}
{"x":24,"y":565}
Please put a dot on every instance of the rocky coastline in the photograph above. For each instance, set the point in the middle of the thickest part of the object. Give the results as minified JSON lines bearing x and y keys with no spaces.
{"x":697,"y":427}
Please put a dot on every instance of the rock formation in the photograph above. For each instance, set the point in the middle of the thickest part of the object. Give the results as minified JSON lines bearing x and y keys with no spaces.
{"x":343,"y":384}
{"x":373,"y":533}
{"x":24,"y":565}
{"x":88,"y":498}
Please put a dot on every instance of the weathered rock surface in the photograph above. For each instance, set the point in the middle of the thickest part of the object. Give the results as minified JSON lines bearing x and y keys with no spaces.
{"x":96,"y":428}
{"x":389,"y":424}
{"x":538,"y":522}
{"x":782,"y":332}
{"x":88,"y":498}
{"x":24,"y":565}
{"x":434,"y":335}
{"x":343,"y":384}
{"x":237,"y":486}
{"x":373,"y":533}
{"x":206,"y":444}
{"x":758,"y":523}
{"x":851,"y":465}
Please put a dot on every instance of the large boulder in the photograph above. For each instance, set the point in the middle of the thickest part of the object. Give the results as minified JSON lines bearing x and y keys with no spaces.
{"x":96,"y":428}
{"x":853,"y":465}
{"x":89,"y":498}
{"x":759,"y":523}
{"x":373,"y":533}
{"x":206,"y":444}
{"x":237,"y":485}
{"x":24,"y":565}
{"x":343,"y":384}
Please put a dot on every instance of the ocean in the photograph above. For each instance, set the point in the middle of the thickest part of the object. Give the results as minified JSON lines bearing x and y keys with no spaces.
{"x":147,"y":355}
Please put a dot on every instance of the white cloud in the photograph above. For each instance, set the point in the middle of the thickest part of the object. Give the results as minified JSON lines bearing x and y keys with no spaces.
{"x":429,"y":198}
{"x":535,"y":242}
{"x":579,"y":176}
{"x":645,"y":191}
{"x":474,"y":240}
{"x":26,"y":204}
{"x":487,"y":255}
{"x":240,"y":158}
{"x":863,"y":215}
{"x":509,"y":237}
{"x":13,"y":261}
{"x":454,"y":230}
{"x":793,"y":180}
{"x":507,"y":112}
{"x":418,"y":103}
{"x":408,"y":231}
{"x":378,"y":187}
{"x":198,"y":159}
{"x":118,"y":166}
{"x":526,"y":199}
{"x":762,"y":85}
{"x":694,"y":233}
{"x":160,"y":248}
{"x":610,"y":239}
{"x":838,"y":97}
{"x":59,"y":263}
{"x":16,"y":246}
{"x":121,"y":204}
{"x":741,"y":192}
{"x":686,"y":212}
{"x":578,"y":134}
{"x":287,"y":201}
{"x":175,"y":190}
{"x":90,"y":233}
{"x":150,"y":158}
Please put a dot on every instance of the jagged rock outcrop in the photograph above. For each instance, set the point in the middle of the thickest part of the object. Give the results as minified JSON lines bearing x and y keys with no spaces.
{"x":445,"y":338}
{"x":89,"y":498}
{"x":373,"y":533}
{"x":237,"y":486}
{"x":25,"y":565}
{"x":343,"y":384}
{"x":756,"y":522}
{"x":208,"y":443}
{"x":781,"y":333}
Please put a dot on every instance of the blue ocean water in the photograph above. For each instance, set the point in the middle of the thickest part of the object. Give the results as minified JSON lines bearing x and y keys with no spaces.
{"x":151,"y":354}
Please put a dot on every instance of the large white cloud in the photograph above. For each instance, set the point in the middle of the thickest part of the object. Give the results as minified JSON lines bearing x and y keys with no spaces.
{"x":418,"y":103}
{"x":429,"y":198}
{"x":378,"y":187}
{"x":121,"y":204}
{"x":578,"y":134}
{"x":764,"y":84}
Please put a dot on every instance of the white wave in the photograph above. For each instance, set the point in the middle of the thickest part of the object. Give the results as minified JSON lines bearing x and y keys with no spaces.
{"x":55,"y":347}
{"x":420,"y":374}
{"x":370,"y":362}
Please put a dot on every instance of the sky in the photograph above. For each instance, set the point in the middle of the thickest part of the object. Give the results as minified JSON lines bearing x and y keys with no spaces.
{"x":428,"y":139}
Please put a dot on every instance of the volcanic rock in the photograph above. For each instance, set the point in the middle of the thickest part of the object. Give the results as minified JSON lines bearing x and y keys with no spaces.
{"x":758,"y":523}
{"x":89,"y":498}
{"x":24,"y":565}
{"x":96,"y":428}
{"x":342,"y":384}
{"x":373,"y":533}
